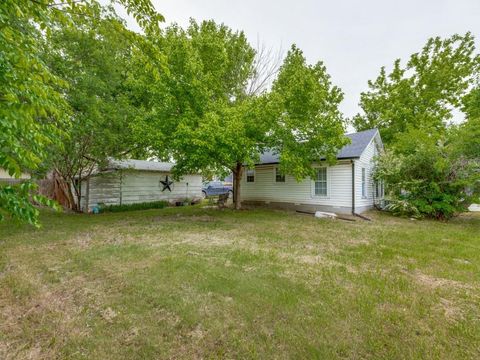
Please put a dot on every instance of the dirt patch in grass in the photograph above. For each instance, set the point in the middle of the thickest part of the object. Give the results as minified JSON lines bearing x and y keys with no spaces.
{"x":183,"y":218}
{"x":203,"y":238}
{"x":451,"y":311}
{"x":437,"y":282}
{"x":56,"y":310}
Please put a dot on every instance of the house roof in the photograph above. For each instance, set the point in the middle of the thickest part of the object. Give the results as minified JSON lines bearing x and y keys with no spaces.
{"x":141,"y":165}
{"x":358,"y":142}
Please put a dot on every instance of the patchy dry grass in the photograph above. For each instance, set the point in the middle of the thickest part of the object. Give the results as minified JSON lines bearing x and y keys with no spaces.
{"x":201,"y":283}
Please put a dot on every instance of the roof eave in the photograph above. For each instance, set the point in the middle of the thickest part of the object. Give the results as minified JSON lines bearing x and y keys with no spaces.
{"x":338,"y":158}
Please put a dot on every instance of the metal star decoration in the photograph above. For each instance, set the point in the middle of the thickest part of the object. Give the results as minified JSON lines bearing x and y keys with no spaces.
{"x":166,"y":184}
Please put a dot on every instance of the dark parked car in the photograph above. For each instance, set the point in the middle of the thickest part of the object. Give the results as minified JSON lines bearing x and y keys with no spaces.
{"x":214,"y":188}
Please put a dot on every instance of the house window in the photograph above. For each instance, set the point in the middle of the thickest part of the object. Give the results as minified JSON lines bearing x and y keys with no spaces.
{"x":364,"y":184}
{"x":250,"y":175}
{"x":279,"y":177}
{"x":379,"y":189}
{"x":321,"y":182}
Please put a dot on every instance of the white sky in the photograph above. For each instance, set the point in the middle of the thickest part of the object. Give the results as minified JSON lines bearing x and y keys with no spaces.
{"x":353,"y":38}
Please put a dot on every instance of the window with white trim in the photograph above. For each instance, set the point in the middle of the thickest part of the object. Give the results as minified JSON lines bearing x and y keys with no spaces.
{"x":321,"y":182}
{"x":364,"y":183}
{"x":379,"y":189}
{"x":279,"y":177}
{"x":250,"y":175}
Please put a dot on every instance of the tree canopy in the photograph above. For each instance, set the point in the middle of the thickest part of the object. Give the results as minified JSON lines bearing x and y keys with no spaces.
{"x":96,"y":58}
{"x":432,"y":164}
{"x":203,"y":117}
{"x":33,"y":109}
{"x":422,"y":94}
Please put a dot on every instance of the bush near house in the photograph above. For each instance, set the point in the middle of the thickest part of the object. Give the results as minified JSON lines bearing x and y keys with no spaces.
{"x":431,"y":176}
{"x":138,"y":206}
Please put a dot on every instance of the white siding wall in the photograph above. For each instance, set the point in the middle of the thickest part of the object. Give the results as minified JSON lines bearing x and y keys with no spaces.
{"x":5,"y":175}
{"x":365,"y":161}
{"x":130,"y":186}
{"x":103,"y":189}
{"x":339,"y":181}
{"x":339,"y":185}
{"x":145,"y":186}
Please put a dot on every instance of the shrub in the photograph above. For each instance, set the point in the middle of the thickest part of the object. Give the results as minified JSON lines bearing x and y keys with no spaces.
{"x":431,"y":178}
{"x":403,"y":208}
{"x":137,"y":206}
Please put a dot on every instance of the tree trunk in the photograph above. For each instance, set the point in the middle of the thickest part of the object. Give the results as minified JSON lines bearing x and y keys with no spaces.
{"x":68,"y":189}
{"x":237,"y":178}
{"x":62,"y":192}
{"x":79,"y":195}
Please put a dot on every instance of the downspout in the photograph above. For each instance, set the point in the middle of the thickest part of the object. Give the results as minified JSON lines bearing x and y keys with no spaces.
{"x":353,"y":187}
{"x":353,"y":195}
{"x":121,"y":180}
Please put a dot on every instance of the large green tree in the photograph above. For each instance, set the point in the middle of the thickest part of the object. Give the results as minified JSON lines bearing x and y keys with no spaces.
{"x":97,"y":58}
{"x":306,"y":124}
{"x":423,"y":93}
{"x":432,"y":165}
{"x":203,"y":117}
{"x":33,"y":110}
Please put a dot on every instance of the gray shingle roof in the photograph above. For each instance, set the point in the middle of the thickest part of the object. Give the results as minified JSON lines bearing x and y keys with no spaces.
{"x":358,"y":143}
{"x":141,"y":165}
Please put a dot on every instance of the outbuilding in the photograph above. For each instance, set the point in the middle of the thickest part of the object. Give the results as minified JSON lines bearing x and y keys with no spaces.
{"x":137,"y":181}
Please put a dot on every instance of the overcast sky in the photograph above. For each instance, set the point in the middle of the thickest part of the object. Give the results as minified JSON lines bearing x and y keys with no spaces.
{"x":353,"y":38}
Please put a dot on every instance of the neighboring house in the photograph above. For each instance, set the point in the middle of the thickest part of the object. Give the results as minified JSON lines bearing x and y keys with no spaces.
{"x":6,"y":178}
{"x":137,"y":181}
{"x":346,"y":187}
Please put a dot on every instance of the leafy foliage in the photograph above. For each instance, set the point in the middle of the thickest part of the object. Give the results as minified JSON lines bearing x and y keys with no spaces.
{"x":434,"y":179}
{"x":95,"y":58}
{"x":422,"y":94}
{"x":306,"y":124}
{"x":432,"y":167}
{"x":471,"y":103}
{"x":207,"y":67}
{"x":402,"y":207}
{"x":16,"y":201}
{"x":33,"y":110}
{"x":202,"y":116}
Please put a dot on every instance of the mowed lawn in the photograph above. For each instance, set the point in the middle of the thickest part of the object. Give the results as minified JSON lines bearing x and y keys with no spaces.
{"x":189,"y":283}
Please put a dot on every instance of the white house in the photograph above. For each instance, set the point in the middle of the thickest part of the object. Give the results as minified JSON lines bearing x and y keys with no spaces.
{"x":6,"y":178}
{"x":137,"y":181}
{"x":346,"y":187}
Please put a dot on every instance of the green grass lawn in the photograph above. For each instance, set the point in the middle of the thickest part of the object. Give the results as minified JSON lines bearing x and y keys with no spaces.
{"x":203,"y":283}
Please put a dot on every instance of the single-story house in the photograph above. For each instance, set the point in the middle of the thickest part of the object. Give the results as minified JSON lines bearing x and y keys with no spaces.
{"x":346,"y":187}
{"x":137,"y":181}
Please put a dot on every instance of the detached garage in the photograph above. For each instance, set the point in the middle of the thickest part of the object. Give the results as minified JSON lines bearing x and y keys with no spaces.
{"x":137,"y":181}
